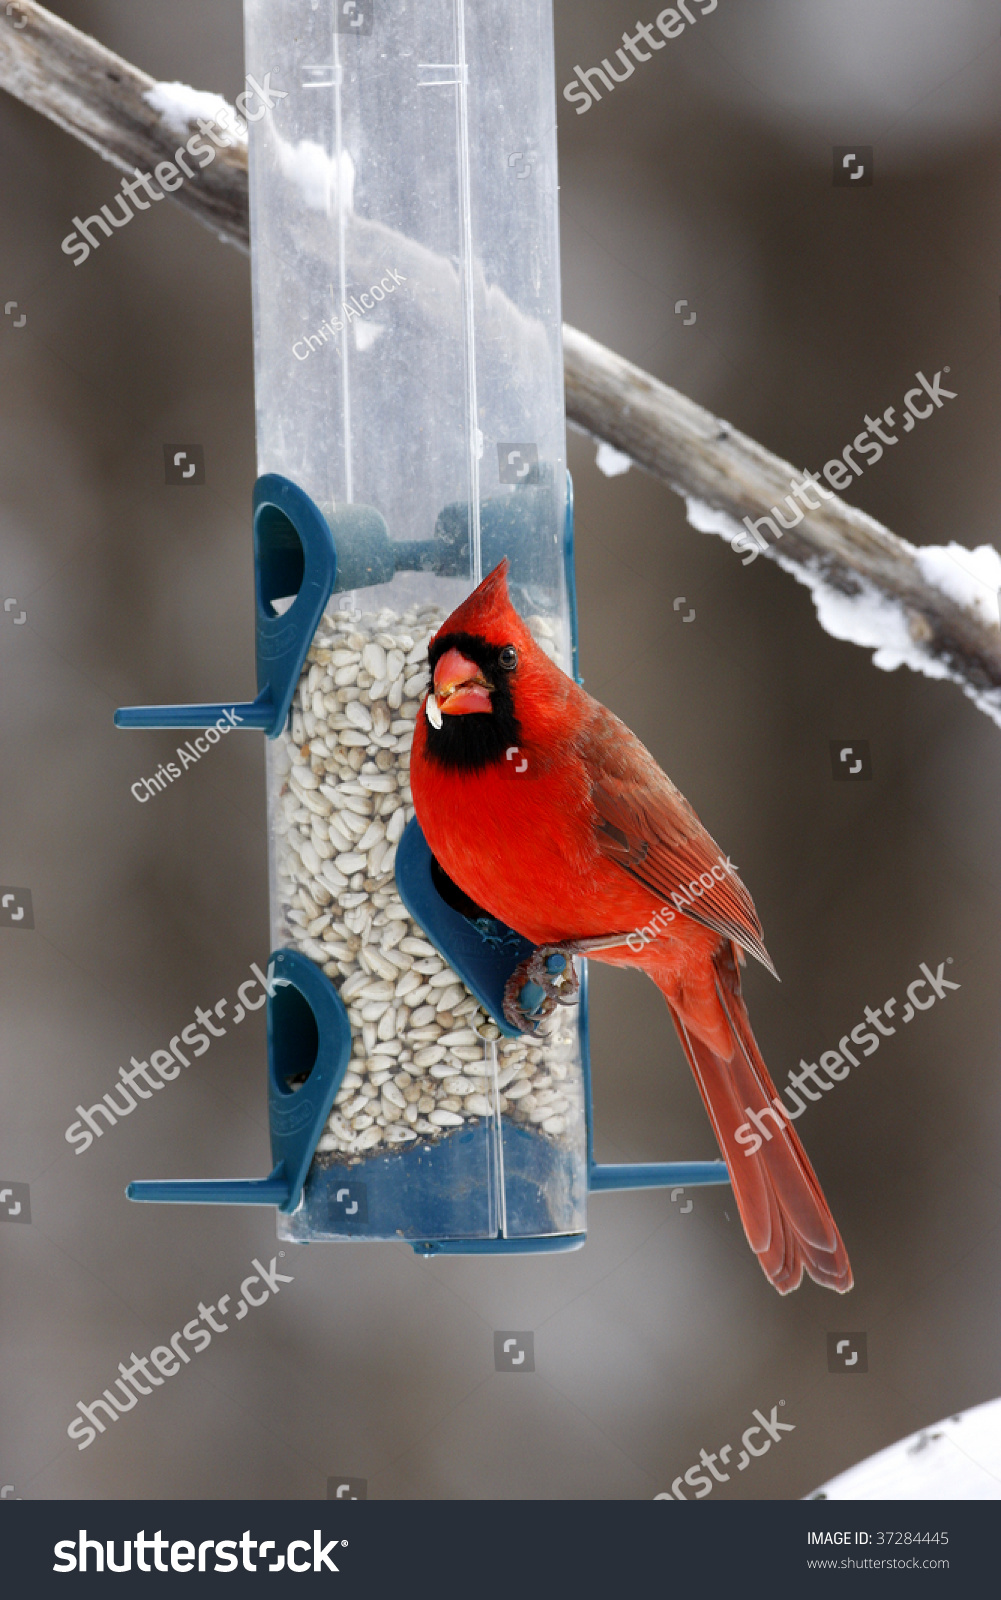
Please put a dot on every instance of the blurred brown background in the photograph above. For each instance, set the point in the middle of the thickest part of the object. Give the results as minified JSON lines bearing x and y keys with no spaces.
{"x":705,"y":176}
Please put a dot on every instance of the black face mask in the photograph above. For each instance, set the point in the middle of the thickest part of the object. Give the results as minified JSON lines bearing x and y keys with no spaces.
{"x":474,"y":740}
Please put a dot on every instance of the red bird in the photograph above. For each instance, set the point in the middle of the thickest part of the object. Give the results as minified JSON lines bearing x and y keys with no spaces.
{"x":550,"y":814}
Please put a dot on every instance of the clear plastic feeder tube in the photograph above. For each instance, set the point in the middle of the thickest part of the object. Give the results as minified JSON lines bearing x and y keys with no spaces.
{"x":409,"y":378}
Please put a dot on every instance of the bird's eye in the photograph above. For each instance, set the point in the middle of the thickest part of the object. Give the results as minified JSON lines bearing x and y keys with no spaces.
{"x":509,"y":658}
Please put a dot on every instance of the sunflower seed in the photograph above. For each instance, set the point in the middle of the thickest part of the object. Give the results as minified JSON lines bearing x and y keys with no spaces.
{"x":518,"y":1090}
{"x":378,"y":990}
{"x":428,"y":1056}
{"x":374,"y":659}
{"x":458,"y":1085}
{"x":314,"y":950}
{"x":477,"y":1105}
{"x":384,"y":967}
{"x":349,"y":863}
{"x":339,"y":835}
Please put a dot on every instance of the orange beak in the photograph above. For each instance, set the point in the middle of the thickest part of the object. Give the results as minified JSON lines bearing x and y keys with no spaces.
{"x":459,"y":685}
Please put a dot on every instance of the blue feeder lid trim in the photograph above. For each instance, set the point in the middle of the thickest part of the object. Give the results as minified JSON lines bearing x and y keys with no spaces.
{"x":294,"y":554}
{"x":309,"y":1037}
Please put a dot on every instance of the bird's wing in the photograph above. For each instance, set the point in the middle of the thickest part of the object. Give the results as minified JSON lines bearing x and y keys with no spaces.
{"x":647,"y":827}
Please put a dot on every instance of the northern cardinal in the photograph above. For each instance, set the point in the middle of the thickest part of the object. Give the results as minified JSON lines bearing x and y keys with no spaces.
{"x":550,"y":814}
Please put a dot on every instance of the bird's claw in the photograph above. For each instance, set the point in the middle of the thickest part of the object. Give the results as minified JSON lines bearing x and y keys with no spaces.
{"x":545,"y":980}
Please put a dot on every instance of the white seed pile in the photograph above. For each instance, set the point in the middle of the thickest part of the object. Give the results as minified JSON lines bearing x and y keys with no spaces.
{"x":426,"y":1059}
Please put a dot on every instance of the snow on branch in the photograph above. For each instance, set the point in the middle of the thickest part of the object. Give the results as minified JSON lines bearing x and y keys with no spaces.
{"x":933,"y":609}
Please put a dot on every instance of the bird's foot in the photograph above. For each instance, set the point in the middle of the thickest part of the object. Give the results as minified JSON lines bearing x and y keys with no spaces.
{"x":545,"y":980}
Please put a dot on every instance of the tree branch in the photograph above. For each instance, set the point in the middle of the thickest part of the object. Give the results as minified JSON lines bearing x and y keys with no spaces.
{"x":869,"y":585}
{"x":93,"y":94}
{"x":838,"y":552}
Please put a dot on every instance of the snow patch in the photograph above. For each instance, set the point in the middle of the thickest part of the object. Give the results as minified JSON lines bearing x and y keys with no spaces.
{"x":366,"y":333}
{"x":610,"y":461}
{"x":315,"y":173}
{"x":179,"y":106}
{"x":709,"y":519}
{"x":868,"y":619}
{"x":970,"y":578}
{"x":958,"y":1459}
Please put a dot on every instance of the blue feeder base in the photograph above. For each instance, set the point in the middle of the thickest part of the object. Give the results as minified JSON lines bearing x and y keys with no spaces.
{"x":473,"y":1192}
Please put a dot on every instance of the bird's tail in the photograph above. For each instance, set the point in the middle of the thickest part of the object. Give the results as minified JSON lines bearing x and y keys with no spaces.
{"x":788,"y":1222}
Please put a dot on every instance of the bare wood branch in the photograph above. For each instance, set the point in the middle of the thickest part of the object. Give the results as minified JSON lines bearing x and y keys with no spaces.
{"x":95,"y":95}
{"x":99,"y":98}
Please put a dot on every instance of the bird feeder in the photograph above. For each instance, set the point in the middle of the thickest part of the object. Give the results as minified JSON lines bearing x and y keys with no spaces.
{"x":410,"y":433}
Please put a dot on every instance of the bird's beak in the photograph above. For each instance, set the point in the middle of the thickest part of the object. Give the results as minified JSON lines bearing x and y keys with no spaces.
{"x":459,"y":687}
